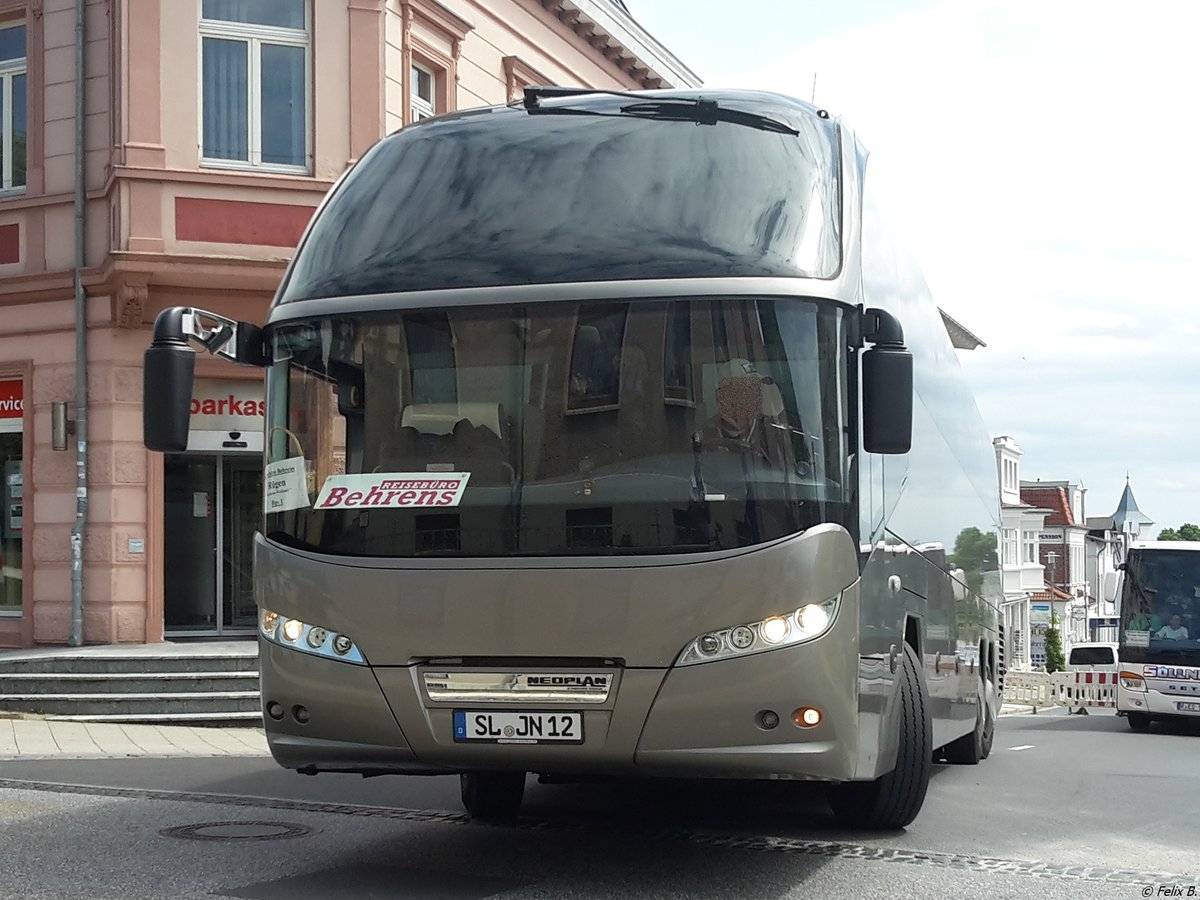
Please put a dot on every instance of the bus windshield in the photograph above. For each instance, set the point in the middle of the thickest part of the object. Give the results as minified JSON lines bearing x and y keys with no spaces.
{"x":1160,"y":604}
{"x":560,"y":428}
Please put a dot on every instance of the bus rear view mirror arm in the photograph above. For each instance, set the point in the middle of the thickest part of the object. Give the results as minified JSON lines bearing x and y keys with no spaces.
{"x":170,"y":366}
{"x":887,"y":385}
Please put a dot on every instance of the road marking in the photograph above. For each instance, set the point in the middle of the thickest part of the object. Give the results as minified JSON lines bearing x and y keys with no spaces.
{"x":1022,"y":747}
{"x":751,"y":843}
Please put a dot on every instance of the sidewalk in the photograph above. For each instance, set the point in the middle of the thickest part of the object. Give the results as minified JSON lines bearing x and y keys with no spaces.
{"x":1021,"y":709}
{"x":31,"y":737}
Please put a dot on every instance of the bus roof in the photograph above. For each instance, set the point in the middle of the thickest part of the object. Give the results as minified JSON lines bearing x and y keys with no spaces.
{"x":1165,"y":545}
{"x":594,"y":187}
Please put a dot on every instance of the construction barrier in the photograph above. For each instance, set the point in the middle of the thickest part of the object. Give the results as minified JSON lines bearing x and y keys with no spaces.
{"x":1090,"y":689}
{"x":1030,"y":689}
{"x":1075,"y":690}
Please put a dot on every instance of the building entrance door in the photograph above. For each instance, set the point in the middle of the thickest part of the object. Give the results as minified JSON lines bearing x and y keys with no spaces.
{"x":212,"y":507}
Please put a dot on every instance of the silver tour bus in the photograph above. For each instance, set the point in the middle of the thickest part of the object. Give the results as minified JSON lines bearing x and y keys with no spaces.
{"x":614,"y":434}
{"x":1159,"y":650}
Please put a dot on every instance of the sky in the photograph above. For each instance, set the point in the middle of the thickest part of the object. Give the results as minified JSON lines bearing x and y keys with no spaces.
{"x":1042,"y":157}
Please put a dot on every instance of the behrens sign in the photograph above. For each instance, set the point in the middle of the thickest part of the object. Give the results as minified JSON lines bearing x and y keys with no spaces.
{"x":392,"y":490}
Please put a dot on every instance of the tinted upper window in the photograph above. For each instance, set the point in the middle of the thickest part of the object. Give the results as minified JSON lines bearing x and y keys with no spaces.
{"x":506,"y":196}
{"x":1092,"y":656}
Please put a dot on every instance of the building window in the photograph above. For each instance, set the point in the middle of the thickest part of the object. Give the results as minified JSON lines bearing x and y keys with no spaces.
{"x":424,"y":93}
{"x":12,"y":494}
{"x":12,"y":106}
{"x":1029,"y":546}
{"x":254,"y":87}
{"x":518,"y":75}
{"x":432,"y":373}
{"x":1010,"y":546}
{"x":595,"y":380}
{"x":677,"y":353}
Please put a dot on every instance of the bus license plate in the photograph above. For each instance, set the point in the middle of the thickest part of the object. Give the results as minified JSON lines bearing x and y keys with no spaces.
{"x":518,"y":727}
{"x":1187,"y":707}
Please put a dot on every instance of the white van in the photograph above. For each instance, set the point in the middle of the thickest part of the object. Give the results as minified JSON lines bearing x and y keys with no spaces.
{"x":1096,"y":656}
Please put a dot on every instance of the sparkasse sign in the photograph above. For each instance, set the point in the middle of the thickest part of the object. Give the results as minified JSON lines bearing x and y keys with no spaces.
{"x":227,"y":404}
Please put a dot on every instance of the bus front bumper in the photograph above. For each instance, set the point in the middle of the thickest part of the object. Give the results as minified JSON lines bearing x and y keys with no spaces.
{"x":734,"y":718}
{"x":1158,"y":703}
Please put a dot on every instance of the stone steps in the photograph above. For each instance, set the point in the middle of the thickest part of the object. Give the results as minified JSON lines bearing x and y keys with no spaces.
{"x":102,"y":684}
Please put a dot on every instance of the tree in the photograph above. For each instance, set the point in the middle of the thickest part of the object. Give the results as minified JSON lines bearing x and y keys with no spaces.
{"x":974,"y":553}
{"x":1055,"y":662}
{"x":1186,"y":532}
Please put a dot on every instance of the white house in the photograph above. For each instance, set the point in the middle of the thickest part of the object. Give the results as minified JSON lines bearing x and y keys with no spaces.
{"x":1062,"y":549}
{"x":1020,"y":563}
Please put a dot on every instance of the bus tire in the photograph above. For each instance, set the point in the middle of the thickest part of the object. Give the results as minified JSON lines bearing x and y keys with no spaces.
{"x":893,"y":800}
{"x":968,"y":750}
{"x":1138,"y":721}
{"x":492,"y":796}
{"x":989,"y":730}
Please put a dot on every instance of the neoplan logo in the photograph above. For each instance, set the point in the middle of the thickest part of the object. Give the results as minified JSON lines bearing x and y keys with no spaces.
{"x":583,"y":681}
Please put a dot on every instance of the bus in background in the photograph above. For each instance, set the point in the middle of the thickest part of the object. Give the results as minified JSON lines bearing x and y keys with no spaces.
{"x":615,"y":434}
{"x":1159,"y":648}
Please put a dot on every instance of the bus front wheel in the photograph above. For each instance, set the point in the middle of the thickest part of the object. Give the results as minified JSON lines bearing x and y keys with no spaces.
{"x":893,"y":800}
{"x":1138,"y":721}
{"x":492,"y":796}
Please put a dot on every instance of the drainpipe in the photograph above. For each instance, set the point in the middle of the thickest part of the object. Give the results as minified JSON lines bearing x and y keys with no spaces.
{"x":81,"y":397}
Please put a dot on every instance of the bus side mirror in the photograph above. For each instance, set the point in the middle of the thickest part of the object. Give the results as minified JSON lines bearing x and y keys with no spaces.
{"x":887,"y":386}
{"x":170,"y":366}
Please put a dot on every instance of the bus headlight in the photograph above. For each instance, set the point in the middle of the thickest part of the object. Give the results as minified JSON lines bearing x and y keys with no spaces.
{"x":312,"y":639}
{"x":1131,"y":681}
{"x":809,"y":621}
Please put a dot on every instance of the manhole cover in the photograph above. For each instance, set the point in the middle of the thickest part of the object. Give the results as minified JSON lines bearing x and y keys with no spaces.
{"x":237,"y":831}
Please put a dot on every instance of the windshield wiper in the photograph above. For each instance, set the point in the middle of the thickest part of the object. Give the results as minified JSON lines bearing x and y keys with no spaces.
{"x":535,"y":93}
{"x":704,"y":112}
{"x":682,"y":109}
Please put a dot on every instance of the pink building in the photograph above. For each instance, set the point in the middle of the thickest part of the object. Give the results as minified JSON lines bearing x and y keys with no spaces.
{"x":212,"y":130}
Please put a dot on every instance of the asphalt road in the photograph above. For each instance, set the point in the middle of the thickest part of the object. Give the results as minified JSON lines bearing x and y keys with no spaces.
{"x":1067,"y":806}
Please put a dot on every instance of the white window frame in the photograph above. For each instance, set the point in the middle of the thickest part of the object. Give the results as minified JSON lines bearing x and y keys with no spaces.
{"x":1010,"y":547}
{"x":255,"y":36}
{"x":10,"y":69}
{"x":422,"y":108}
{"x":1029,"y":547}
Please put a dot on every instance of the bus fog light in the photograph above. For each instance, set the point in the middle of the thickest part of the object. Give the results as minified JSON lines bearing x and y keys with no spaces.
{"x":807,"y":717}
{"x":742,"y":637}
{"x":342,"y":644}
{"x":316,"y":637}
{"x":709,"y":644}
{"x":768,"y":719}
{"x":774,"y":629}
{"x":292,"y":629}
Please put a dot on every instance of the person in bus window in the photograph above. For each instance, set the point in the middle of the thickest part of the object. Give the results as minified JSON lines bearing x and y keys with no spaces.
{"x":1173,"y":630}
{"x":1141,"y":620}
